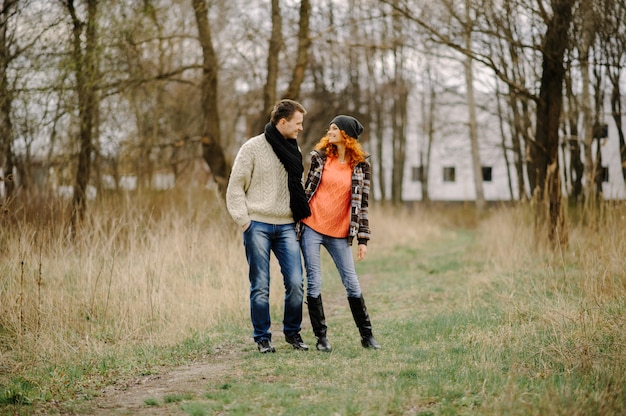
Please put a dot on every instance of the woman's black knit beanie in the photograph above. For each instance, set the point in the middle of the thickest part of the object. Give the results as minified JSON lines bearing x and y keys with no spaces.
{"x":349,"y":124}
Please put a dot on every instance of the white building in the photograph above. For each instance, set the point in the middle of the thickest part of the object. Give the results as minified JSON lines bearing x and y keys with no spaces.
{"x":450,"y":171}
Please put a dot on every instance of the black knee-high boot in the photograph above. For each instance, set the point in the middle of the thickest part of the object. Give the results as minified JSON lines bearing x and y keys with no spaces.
{"x":318,"y":322}
{"x":362,"y":320}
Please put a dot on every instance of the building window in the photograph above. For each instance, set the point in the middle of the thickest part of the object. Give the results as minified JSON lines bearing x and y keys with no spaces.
{"x":449,"y":174}
{"x":604,"y":173}
{"x":487,"y":174}
{"x":416,"y":174}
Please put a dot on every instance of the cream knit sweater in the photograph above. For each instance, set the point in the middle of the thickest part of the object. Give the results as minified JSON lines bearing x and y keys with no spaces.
{"x":257,"y":188}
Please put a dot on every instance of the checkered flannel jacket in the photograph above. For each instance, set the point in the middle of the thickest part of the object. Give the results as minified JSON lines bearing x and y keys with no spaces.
{"x":361,"y":176}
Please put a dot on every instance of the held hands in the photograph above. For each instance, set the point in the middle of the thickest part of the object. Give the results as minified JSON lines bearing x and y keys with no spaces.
{"x":361,"y":251}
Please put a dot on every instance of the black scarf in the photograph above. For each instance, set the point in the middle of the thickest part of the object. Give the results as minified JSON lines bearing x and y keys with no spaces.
{"x":289,"y":155}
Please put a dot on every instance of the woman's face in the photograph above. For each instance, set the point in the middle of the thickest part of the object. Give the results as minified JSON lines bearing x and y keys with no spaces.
{"x":334,"y":134}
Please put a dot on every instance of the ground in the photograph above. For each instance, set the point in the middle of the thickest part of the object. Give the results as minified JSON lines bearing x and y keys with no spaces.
{"x":128,"y":398}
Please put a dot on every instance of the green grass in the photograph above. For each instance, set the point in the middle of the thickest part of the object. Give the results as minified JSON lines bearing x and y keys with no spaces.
{"x":457,"y":338}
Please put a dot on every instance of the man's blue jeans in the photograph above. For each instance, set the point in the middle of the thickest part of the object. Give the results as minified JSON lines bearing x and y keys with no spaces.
{"x":339,"y":249}
{"x":260,"y":239}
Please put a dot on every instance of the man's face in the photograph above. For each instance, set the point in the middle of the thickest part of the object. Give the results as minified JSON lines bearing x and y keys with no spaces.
{"x":290,"y":128}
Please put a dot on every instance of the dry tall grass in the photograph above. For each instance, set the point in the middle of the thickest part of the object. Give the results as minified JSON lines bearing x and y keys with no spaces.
{"x":155,"y":269}
{"x":151,"y":269}
{"x":147,"y":268}
{"x":565,"y":308}
{"x":592,"y":264}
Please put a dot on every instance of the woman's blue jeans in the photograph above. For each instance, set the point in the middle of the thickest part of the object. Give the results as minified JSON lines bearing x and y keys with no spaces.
{"x":341,"y":253}
{"x":260,"y":239}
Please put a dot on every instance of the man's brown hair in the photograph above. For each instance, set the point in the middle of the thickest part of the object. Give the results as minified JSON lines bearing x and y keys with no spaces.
{"x":285,"y":109}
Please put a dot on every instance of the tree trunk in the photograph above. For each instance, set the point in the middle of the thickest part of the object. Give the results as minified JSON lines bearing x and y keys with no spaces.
{"x":269,"y":89}
{"x":576,"y":164}
{"x":545,"y":150}
{"x":613,"y":41}
{"x":429,"y":110}
{"x":6,"y":127}
{"x":471,"y":107}
{"x":212,"y":150}
{"x":616,"y":111}
{"x":302,"y":59}
{"x":86,"y":73}
{"x":519,"y":114}
{"x":505,"y":150}
{"x":519,"y":136}
{"x":398,"y":128}
{"x":598,"y":129}
{"x":399,"y":112}
{"x":380,"y":116}
{"x":527,"y":142}
{"x":375,"y":110}
{"x":585,"y":104}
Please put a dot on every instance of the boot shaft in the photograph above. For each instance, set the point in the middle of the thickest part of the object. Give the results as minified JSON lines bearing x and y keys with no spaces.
{"x":316,"y":314}
{"x":362,"y":320}
{"x":361,"y":316}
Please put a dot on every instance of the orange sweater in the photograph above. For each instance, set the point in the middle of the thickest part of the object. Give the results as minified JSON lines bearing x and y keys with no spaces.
{"x":330,"y":205}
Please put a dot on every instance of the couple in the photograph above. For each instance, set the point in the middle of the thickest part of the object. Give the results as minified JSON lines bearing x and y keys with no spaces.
{"x":266,"y":198}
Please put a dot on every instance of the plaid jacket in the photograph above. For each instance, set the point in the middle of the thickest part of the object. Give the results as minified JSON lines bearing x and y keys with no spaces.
{"x":361,"y":176}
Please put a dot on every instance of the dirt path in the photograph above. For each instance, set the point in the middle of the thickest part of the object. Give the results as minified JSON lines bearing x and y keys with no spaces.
{"x":129,"y":398}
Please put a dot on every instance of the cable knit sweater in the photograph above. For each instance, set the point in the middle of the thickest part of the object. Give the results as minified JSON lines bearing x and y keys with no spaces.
{"x":257,"y":188}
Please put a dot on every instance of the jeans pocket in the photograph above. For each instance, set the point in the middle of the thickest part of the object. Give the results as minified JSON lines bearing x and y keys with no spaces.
{"x":247,"y":230}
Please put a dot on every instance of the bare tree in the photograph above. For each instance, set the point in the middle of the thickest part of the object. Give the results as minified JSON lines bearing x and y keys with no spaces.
{"x":377,"y":116}
{"x":377,"y":91}
{"x":587,"y":35}
{"x":273,"y":52}
{"x":276,"y":45}
{"x":511,"y":60}
{"x":543,"y":152}
{"x":429,"y":111}
{"x":349,"y":59}
{"x":212,"y":149}
{"x":545,"y":149}
{"x":455,"y":32}
{"x":572,"y":139}
{"x":612,"y":34}
{"x":503,"y":138}
{"x":471,"y":106}
{"x":85,"y":65}
{"x":302,"y":57}
{"x":400,"y":91}
{"x":6,"y":94}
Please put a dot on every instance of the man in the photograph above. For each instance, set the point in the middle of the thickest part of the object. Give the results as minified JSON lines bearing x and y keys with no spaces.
{"x":266,"y":198}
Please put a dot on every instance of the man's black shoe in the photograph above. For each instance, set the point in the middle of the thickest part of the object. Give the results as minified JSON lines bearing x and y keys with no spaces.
{"x":296,"y":342}
{"x":265,"y":346}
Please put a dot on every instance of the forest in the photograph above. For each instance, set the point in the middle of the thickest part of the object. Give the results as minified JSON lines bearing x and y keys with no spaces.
{"x":94,"y":92}
{"x":123,"y":282}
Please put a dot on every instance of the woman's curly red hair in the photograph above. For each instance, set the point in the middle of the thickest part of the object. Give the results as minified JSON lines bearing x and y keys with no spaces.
{"x":354,"y":151}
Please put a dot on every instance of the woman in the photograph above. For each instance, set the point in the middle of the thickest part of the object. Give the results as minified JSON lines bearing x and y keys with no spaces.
{"x":337,"y":188}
